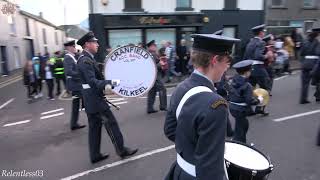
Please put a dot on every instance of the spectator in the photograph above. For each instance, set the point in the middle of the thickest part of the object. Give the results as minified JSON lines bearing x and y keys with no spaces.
{"x":171,"y":57}
{"x":289,"y":47}
{"x":297,"y":38}
{"x":182,"y":54}
{"x":29,"y":79}
{"x":49,"y":68}
{"x":39,"y":75}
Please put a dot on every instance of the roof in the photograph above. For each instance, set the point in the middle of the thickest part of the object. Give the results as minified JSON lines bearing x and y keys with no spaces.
{"x":38,"y":18}
{"x":74,"y":31}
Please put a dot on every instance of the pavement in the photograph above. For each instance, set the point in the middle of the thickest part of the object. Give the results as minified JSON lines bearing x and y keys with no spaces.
{"x":36,"y":138}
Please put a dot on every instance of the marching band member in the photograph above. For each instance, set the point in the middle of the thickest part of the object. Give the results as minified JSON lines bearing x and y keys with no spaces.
{"x":197,"y":116}
{"x":97,"y":109}
{"x":241,"y":99}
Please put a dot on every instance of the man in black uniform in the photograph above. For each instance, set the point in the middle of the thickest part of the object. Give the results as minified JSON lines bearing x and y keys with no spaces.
{"x":97,"y":109}
{"x":73,"y":83}
{"x":197,"y":116}
{"x":255,"y":51}
{"x":310,"y":53}
{"x":158,"y":85}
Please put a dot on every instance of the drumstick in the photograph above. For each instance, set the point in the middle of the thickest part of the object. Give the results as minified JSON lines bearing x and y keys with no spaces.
{"x":117,"y":107}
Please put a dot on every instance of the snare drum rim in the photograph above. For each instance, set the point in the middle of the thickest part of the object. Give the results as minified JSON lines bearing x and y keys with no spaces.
{"x":259,"y":172}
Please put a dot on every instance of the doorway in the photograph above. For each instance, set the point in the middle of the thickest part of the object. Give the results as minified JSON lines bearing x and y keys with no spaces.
{"x":4,"y":61}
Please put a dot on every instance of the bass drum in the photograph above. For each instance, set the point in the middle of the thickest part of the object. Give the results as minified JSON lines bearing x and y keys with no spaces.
{"x":134,"y":67}
{"x":245,"y":162}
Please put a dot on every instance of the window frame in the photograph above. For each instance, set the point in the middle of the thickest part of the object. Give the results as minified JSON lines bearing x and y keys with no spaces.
{"x":56,"y":37}
{"x":313,"y":6}
{"x":132,"y":9}
{"x":44,"y":36}
{"x":27,"y":27}
{"x":283,"y":5}
{"x":181,"y":8}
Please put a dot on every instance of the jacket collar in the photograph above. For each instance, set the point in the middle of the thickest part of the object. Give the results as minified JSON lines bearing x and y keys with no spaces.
{"x":85,"y":52}
{"x":203,"y":81}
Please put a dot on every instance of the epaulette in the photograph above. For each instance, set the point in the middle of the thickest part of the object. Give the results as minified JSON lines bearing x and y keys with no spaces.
{"x":88,"y":61}
{"x":219,"y":102}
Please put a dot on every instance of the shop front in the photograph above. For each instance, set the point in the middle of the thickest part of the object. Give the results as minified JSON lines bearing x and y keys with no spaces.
{"x":122,"y":29}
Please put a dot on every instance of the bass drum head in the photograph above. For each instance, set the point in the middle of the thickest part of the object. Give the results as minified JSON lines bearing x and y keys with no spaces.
{"x":134,"y":67}
{"x":246,"y":157}
{"x":245,"y":162}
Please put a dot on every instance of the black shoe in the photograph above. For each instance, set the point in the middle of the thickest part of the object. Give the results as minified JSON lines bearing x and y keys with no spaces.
{"x":163,"y":109}
{"x":102,"y":157}
{"x":304,"y":102}
{"x":152,"y":111}
{"x":264,"y":113}
{"x":317,"y":100}
{"x":78,"y":127}
{"x":128,"y":152}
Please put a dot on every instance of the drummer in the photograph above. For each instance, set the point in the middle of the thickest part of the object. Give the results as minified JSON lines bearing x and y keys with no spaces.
{"x":241,"y":99}
{"x":197,"y":116}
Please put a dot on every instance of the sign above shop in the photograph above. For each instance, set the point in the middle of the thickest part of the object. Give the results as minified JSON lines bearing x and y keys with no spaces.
{"x":154,"y":20}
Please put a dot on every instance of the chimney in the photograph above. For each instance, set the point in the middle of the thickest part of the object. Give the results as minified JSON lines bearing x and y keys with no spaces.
{"x":41,"y":15}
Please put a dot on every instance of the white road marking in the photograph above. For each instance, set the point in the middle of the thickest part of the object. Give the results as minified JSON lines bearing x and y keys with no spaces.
{"x":118,"y":103}
{"x":6,"y":103}
{"x":16,"y":123}
{"x":117,"y":163}
{"x":52,"y":115}
{"x":52,"y":111}
{"x":13,"y":80}
{"x":296,"y":116}
{"x":115,"y":99}
{"x":169,"y":95}
{"x":276,"y":79}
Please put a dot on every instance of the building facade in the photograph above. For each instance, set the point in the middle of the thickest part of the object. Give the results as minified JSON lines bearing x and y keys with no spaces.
{"x":282,"y":16}
{"x":120,"y":22}
{"x":24,"y":35}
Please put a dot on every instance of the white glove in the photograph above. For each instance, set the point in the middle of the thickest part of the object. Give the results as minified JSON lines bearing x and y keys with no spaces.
{"x":115,"y":82}
{"x":260,"y":98}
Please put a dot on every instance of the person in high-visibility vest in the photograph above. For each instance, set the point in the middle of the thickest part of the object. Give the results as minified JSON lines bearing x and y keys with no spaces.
{"x":57,"y":60}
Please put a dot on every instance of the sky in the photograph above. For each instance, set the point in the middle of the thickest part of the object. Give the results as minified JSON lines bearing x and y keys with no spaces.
{"x":53,"y":10}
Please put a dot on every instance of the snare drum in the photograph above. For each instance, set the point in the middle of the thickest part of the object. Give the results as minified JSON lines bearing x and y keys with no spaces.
{"x":245,"y":162}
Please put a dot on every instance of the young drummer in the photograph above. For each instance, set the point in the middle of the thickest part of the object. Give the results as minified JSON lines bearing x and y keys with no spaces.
{"x":241,"y":99}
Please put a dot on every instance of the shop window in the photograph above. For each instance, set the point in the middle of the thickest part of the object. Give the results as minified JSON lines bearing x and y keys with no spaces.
{"x":161,"y":35}
{"x":308,"y":3}
{"x":184,"y":5}
{"x":124,"y":37}
{"x":132,"y":6}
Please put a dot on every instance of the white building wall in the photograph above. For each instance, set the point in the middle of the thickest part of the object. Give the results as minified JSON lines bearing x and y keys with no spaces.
{"x":166,"y":6}
{"x":15,"y":42}
{"x":250,"y":4}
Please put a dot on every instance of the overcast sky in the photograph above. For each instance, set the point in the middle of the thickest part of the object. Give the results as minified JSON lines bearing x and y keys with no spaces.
{"x":53,"y":10}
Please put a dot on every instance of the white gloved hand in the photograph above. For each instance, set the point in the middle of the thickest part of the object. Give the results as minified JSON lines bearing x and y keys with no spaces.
{"x":107,"y":87}
{"x":260,"y":98}
{"x":115,"y":82}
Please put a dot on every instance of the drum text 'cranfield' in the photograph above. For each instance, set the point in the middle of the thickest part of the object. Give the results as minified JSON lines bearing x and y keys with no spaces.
{"x":128,"y":49}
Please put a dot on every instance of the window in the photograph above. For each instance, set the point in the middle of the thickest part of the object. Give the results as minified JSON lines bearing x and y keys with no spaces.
{"x":12,"y":23}
{"x":46,"y":50}
{"x":230,"y":4}
{"x":27,"y":27}
{"x":308,"y":3}
{"x":44,"y":36}
{"x":17,"y":58}
{"x":56,"y":37}
{"x":132,"y":5}
{"x":277,"y":3}
{"x":124,"y":37}
{"x":183,"y":3}
{"x":159,"y":35}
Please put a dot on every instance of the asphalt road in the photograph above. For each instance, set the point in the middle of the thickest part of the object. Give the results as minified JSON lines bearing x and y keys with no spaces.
{"x":36,"y":138}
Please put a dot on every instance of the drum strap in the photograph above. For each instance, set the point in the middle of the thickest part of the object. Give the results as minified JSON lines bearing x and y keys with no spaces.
{"x":186,"y":166}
